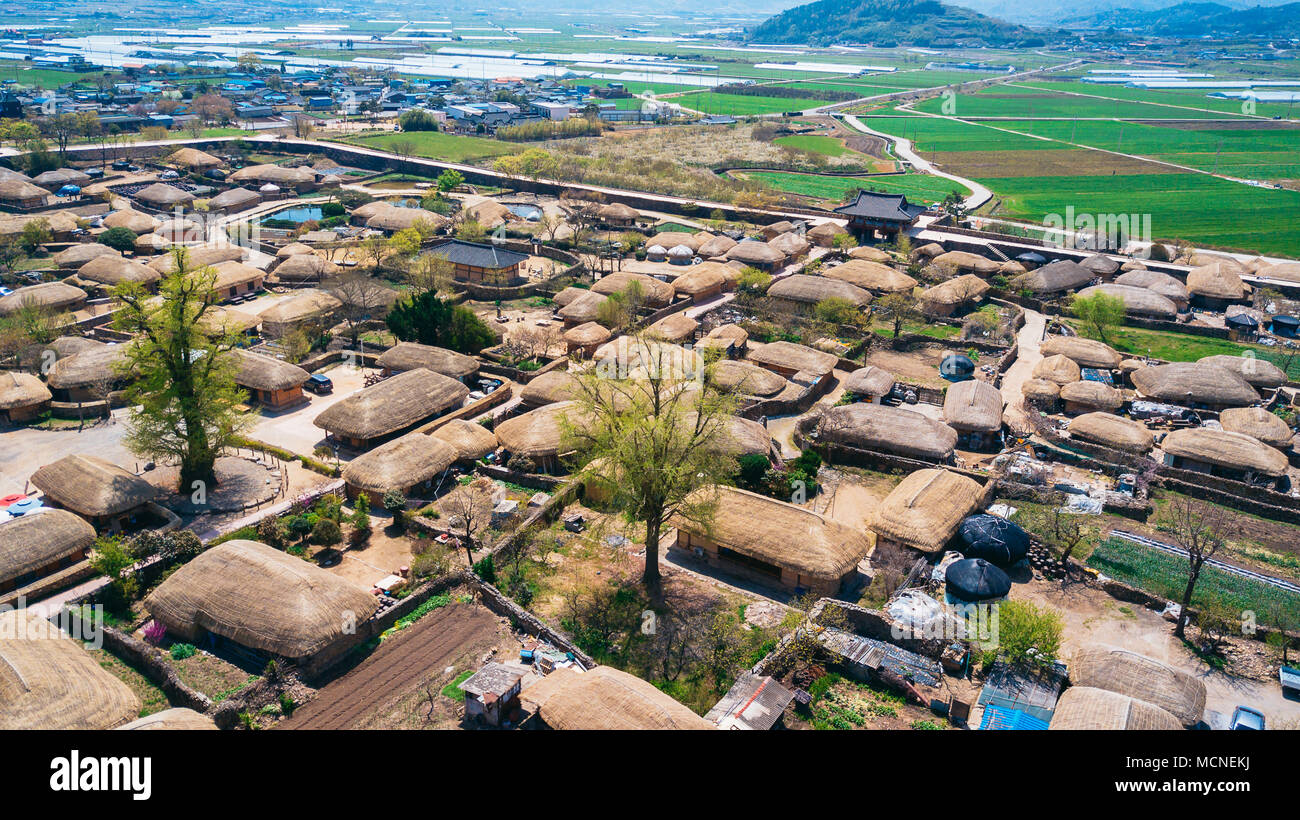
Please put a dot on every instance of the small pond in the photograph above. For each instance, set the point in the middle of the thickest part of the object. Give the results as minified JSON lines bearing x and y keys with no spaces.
{"x":295,"y":215}
{"x":532,"y":213}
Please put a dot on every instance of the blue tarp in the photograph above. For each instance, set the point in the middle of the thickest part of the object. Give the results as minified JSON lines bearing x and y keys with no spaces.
{"x":1004,"y":718}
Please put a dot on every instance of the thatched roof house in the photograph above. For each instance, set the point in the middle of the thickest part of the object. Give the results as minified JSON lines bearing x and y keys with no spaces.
{"x":162,"y":196}
{"x":54,"y":296}
{"x":175,"y":719}
{"x":1055,"y":277}
{"x":1127,"y":673}
{"x":77,"y":377}
{"x":802,"y":291}
{"x":740,"y":437}
{"x":299,"y":178}
{"x":746,"y":379}
{"x":1220,"y":452}
{"x":391,"y":406}
{"x":973,"y":406}
{"x":539,"y":434}
{"x":392,"y":220}
{"x":550,"y":387}
{"x":869,"y":381}
{"x":1100,"y":264}
{"x":795,"y":548}
{"x":1087,"y":396}
{"x":730,"y":338}
{"x":293,"y":249}
{"x":235,"y":199}
{"x":193,"y":158}
{"x":1057,"y":368}
{"x":671,"y":239}
{"x":716,"y":246}
{"x":585,"y":338}
{"x":675,"y":328}
{"x":889,"y":430}
{"x":22,"y":396}
{"x":966,"y":262}
{"x":1137,"y":301}
{"x":52,"y":682}
{"x":1194,"y":383}
{"x":1159,"y":283}
{"x":234,"y":278}
{"x":944,"y":298}
{"x":81,"y":253}
{"x":301,"y":306}
{"x":757,"y":254}
{"x":33,"y":546}
{"x":775,"y":229}
{"x":114,"y":270}
{"x":1257,"y":422}
{"x":791,"y":245}
{"x":1089,"y":709}
{"x":56,"y":179}
{"x":97,"y":490}
{"x":872,"y":254}
{"x":701,"y":282}
{"x":1041,"y":391}
{"x":824,"y":234}
{"x":199,"y":257}
{"x":872,"y":276}
{"x":470,"y":441}
{"x":585,"y":307}
{"x":405,"y":356}
{"x":220,"y":319}
{"x":1258,"y":373}
{"x":1113,"y":431}
{"x":565,"y":297}
{"x":305,"y":267}
{"x":654,"y":293}
{"x":605,"y":699}
{"x":616,"y":213}
{"x":408,"y":464}
{"x":19,"y":193}
{"x":1084,"y":352}
{"x":134,"y":221}
{"x":268,"y":380}
{"x":1216,"y":284}
{"x":262,"y":599}
{"x":925,"y":509}
{"x":789,"y":359}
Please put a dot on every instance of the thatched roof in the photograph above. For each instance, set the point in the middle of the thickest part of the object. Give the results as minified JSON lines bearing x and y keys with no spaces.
{"x":730,"y":333}
{"x":1086,"y":708}
{"x":588,"y":333}
{"x":80,"y":254}
{"x":745,"y":378}
{"x":300,"y":306}
{"x":91,"y":486}
{"x":550,"y":387}
{"x":955,"y":291}
{"x":606,"y":699}
{"x":1137,"y":301}
{"x":161,"y":195}
{"x":393,"y":404}
{"x":1216,"y":281}
{"x":134,"y":221}
{"x":566,"y":296}
{"x":30,"y":542}
{"x":180,"y":232}
{"x":305,"y":267}
{"x":66,"y":346}
{"x":654,"y":293}
{"x":59,"y":222}
{"x":965,"y":261}
{"x":755,"y":253}
{"x":276,"y":174}
{"x":868,"y":381}
{"x":791,"y":537}
{"x":193,"y":158}
{"x":234,"y":198}
{"x":1084,"y":352}
{"x":220,"y":319}
{"x":114,"y":270}
{"x":873,"y":254}
{"x":583,"y":308}
{"x":1257,"y":422}
{"x":259,"y":372}
{"x":930,"y":250}
{"x":18,"y":190}
{"x":1040,"y":389}
{"x":540,"y":432}
{"x":974,"y":406}
{"x":293,"y":249}
{"x":22,"y":390}
{"x":1057,"y":368}
{"x":775,"y":229}
{"x":175,"y":719}
{"x":1092,"y":394}
{"x":700,"y":279}
{"x":469,"y":440}
{"x":411,"y":355}
{"x":49,"y":681}
{"x":1055,"y":277}
{"x":789,"y":244}
{"x":925,"y":509}
{"x":872,"y":276}
{"x":59,"y":177}
{"x":400,"y":219}
{"x":739,"y":437}
{"x":201,"y":257}
{"x":403,"y":462}
{"x":489,"y":213}
{"x":1221,"y":448}
{"x":671,"y":239}
{"x":1156,"y":282}
{"x":617,"y":211}
{"x":1112,"y":431}
{"x":813,"y":289}
{"x":716,"y":246}
{"x":1100,"y":264}
{"x":1257,"y":372}
{"x":261,"y":598}
{"x":888,"y":429}
{"x":91,"y":365}
{"x":1194,"y":382}
{"x":51,"y":295}
{"x":675,"y":327}
{"x":1127,"y":673}
{"x":825,"y":233}
{"x":791,"y":356}
{"x":232,"y":273}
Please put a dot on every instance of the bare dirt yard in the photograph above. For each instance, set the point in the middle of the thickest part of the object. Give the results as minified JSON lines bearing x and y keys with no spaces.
{"x":919,"y":366}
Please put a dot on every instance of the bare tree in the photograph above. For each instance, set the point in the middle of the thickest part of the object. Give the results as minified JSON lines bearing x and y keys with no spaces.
{"x":361,"y":296}
{"x":1199,"y":529}
{"x":469,"y":509}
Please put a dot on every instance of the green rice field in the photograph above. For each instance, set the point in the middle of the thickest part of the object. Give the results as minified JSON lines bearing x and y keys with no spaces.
{"x":830,"y":146}
{"x":918,"y":187}
{"x":1012,"y":101}
{"x":711,"y":102}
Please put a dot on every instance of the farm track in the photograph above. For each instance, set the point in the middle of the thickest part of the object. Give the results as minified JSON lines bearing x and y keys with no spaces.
{"x":399,"y":665}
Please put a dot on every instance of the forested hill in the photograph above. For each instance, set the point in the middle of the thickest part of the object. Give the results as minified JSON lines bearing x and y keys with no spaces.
{"x":887,"y":23}
{"x":1197,"y":19}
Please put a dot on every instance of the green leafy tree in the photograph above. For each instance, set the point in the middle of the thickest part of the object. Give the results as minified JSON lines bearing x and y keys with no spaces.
{"x":1099,"y":311}
{"x":429,"y":319}
{"x":838,"y":311}
{"x":896,"y":309}
{"x":449,"y":180}
{"x":119,"y":239}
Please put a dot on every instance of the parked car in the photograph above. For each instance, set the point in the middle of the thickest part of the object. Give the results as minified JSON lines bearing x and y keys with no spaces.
{"x":4,"y":291}
{"x":319,"y":384}
{"x":1244,"y":717}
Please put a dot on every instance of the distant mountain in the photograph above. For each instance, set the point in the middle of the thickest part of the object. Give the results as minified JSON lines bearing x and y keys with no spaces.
{"x":1055,"y":12}
{"x":888,"y":22}
{"x":1197,"y":19}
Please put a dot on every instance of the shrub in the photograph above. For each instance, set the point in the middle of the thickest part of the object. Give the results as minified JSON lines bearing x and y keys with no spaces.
{"x":418,"y":119}
{"x":119,"y":239}
{"x":181,"y":651}
{"x":271,"y":531}
{"x":333,"y":209}
{"x":326,"y":533}
{"x":486,"y":570}
{"x":1027,"y":635}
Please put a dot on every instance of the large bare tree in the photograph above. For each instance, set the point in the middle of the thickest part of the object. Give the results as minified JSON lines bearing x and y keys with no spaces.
{"x":1198,"y":528}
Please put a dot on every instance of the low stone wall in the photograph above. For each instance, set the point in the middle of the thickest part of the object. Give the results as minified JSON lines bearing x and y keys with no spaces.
{"x":521,"y":618}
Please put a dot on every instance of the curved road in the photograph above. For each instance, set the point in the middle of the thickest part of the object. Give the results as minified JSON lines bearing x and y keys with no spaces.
{"x":903,"y":148}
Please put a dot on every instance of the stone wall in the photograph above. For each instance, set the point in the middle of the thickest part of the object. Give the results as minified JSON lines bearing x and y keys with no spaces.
{"x":521,"y":618}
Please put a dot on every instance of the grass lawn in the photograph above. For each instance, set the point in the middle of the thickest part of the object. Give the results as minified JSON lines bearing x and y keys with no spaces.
{"x":151,"y":697}
{"x":921,"y":187}
{"x":437,"y":145}
{"x":830,"y":146}
{"x":1184,"y":347}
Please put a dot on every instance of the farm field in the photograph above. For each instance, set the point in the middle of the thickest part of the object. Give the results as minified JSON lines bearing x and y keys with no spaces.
{"x":1189,"y":98}
{"x":830,"y":146}
{"x":922,"y":78}
{"x":437,"y":145}
{"x":1184,"y":347}
{"x":921,"y":187}
{"x":938,"y":134}
{"x":861,"y":89}
{"x":742,"y":104}
{"x":1011,"y":101}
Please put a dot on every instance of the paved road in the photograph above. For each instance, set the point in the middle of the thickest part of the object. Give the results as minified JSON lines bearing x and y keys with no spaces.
{"x":903,"y":148}
{"x":1027,"y":356}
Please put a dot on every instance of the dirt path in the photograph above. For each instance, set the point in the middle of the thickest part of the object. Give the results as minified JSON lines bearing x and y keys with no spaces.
{"x":1028,"y":354}
{"x":399,"y":666}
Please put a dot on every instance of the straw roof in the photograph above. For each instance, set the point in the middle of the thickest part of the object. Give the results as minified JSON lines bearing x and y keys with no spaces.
{"x":87,"y":367}
{"x":1156,"y":282}
{"x":716,"y":246}
{"x":161,"y":195}
{"x":729,"y":332}
{"x":59,"y":222}
{"x":193,"y":158}
{"x":617,"y":211}
{"x":19,"y":390}
{"x":293,"y":249}
{"x":1100,"y":264}
{"x":1194,"y":382}
{"x":400,"y":219}
{"x":1286,"y":271}
{"x":540,"y":432}
{"x":261,"y":598}
{"x":1086,"y":708}
{"x":49,"y":681}
{"x":17,"y":190}
{"x":1057,"y":369}
{"x":974,"y":406}
{"x":925,"y":509}
{"x":929,"y":250}
{"x":1137,"y":301}
{"x":1127,"y":673}
{"x":1040,"y":389}
{"x":260,"y":372}
{"x":1055,"y":277}
{"x":1255,"y":422}
{"x":176,"y":719}
{"x":411,"y":355}
{"x":301,"y":306}
{"x":955,"y":291}
{"x":671,"y":239}
{"x":1257,"y":372}
{"x":755,"y":253}
{"x":30,"y":542}
{"x":868,"y":381}
{"x":791,"y":356}
{"x":220,"y":319}
{"x":134,"y":221}
{"x":65,"y":346}
{"x":80,"y":254}
{"x":489,"y":213}
{"x":232,"y":273}
{"x":91,"y":486}
{"x":605,"y":699}
{"x":633,"y":357}
{"x":200,"y":257}
{"x":791,"y":537}
{"x":1113,"y":431}
{"x":675,"y":327}
{"x":872,"y":254}
{"x":888,"y":429}
{"x":813,"y":289}
{"x":700,"y":279}
{"x":276,"y":174}
{"x":654,"y":293}
{"x":584,"y":308}
{"x":469,"y":440}
{"x":1235,"y":451}
{"x":60,"y":177}
{"x":1133,"y":265}
{"x":775,"y":229}
{"x":965,"y":261}
{"x":872,"y":276}
{"x":393,"y":404}
{"x":566,"y":296}
{"x":1092,"y":394}
{"x":747,"y":379}
{"x":1011,"y":268}
{"x":403,"y":462}
{"x":789,"y":244}
{"x":739,"y":437}
{"x":550,"y":387}
{"x":1216,"y":281}
{"x":51,"y":295}
{"x":1084,"y":352}
{"x":114,"y":270}
{"x":305,"y":267}
{"x":180,"y":231}
{"x":825,"y":233}
{"x":234,"y":198}
{"x":588,"y":333}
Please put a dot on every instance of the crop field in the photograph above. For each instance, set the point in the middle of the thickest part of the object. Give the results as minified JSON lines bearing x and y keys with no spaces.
{"x":1010,"y":101}
{"x":711,"y":102}
{"x":922,"y":78}
{"x":830,"y":146}
{"x":437,"y":145}
{"x":1189,"y":99}
{"x":1185,"y":347}
{"x":859,"y":88}
{"x":920,"y":187}
{"x":937,"y":134}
